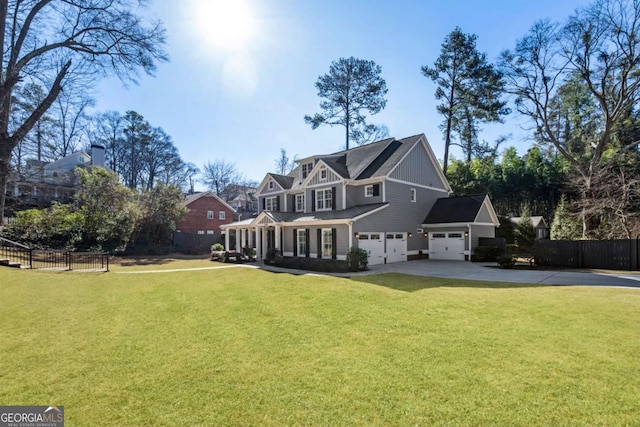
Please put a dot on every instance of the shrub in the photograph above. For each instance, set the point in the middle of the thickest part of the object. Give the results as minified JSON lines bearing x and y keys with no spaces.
{"x":357,"y":259}
{"x":217,"y":247}
{"x":486,"y":253}
{"x":506,"y":261}
{"x":314,"y":264}
{"x":273,"y":257}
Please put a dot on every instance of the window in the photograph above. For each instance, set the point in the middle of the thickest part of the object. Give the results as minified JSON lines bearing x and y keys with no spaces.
{"x":363,"y":237}
{"x":270,"y":204}
{"x":306,"y":169}
{"x":327,"y":243}
{"x":302,"y":242}
{"x":270,"y":185}
{"x":200,"y":231}
{"x":368,"y":191}
{"x":323,"y":174}
{"x":299,"y":202}
{"x":209,"y":214}
{"x":413,"y":195}
{"x":222,"y":215}
{"x":209,"y":231}
{"x":324,"y":200}
{"x":80,"y":159}
{"x":439,"y":235}
{"x":455,"y":235}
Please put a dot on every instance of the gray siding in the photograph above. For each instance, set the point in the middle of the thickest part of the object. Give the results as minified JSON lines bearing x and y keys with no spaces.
{"x":478,"y":231}
{"x":401,"y":215}
{"x":309,"y":201}
{"x":483,"y":215}
{"x":331,"y":177}
{"x":356,"y":197}
{"x":417,"y":167}
{"x":276,"y":187}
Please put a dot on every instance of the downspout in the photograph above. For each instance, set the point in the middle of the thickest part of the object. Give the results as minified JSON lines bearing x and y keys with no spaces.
{"x":470,"y":248}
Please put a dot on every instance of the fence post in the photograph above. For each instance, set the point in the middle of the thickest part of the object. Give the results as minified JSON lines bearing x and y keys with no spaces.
{"x":68,"y":256}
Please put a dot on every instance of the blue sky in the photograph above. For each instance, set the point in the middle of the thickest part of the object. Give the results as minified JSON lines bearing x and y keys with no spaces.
{"x":242,"y":72}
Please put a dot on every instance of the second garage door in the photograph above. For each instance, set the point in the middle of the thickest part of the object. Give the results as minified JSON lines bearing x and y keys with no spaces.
{"x":446,"y":246}
{"x":373,"y":243}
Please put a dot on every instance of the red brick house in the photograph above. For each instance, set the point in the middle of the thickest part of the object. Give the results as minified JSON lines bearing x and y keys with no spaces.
{"x":206,"y":212}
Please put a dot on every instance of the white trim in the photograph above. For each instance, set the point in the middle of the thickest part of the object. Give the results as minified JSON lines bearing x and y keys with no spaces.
{"x":417,"y":185}
{"x":304,"y":202}
{"x":366,"y":187}
{"x":324,"y":209}
{"x":384,"y":191}
{"x":492,"y":213}
{"x":344,"y":196}
{"x":415,"y":252}
{"x":315,"y":170}
{"x":456,"y":224}
{"x":263,"y":184}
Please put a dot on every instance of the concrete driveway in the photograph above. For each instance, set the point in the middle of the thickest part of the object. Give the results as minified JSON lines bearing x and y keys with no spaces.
{"x":489,"y":272}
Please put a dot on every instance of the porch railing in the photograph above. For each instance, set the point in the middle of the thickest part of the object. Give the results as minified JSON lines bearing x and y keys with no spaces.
{"x":15,"y":252}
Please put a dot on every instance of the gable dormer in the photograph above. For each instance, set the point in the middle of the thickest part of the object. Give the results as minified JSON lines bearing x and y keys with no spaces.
{"x":322,"y":174}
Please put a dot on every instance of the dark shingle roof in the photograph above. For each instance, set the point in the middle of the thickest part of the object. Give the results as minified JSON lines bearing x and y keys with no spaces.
{"x":324,"y":215}
{"x":283,"y":181}
{"x":455,"y":209}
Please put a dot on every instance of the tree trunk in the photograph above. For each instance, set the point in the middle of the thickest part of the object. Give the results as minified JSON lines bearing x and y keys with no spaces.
{"x":5,"y":169}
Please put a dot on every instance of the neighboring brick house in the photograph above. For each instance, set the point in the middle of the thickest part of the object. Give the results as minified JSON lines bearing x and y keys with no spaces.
{"x":206,"y":212}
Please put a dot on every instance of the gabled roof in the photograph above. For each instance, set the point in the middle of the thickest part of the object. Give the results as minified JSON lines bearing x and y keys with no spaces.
{"x":464,"y":209}
{"x":535,"y":220}
{"x":190,"y":198}
{"x":285,"y":182}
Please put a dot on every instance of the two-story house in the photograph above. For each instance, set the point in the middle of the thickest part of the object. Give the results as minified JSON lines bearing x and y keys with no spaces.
{"x":378,"y":197}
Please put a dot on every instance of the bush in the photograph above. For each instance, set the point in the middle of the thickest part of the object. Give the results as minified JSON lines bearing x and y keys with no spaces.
{"x":217,"y":247}
{"x":486,"y":253}
{"x":506,"y":261}
{"x":357,"y":259}
{"x":314,"y":264}
{"x":273,"y":257}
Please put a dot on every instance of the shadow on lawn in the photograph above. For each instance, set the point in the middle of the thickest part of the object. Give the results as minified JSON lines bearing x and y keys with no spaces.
{"x":129,"y":261}
{"x":409,"y":283}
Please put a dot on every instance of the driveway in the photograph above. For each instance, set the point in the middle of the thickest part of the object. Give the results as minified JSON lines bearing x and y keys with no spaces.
{"x":489,"y":272}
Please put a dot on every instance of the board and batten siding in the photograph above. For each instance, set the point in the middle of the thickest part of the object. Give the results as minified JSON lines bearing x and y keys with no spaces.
{"x":316,"y":180}
{"x":483,"y":215}
{"x":276,"y":187}
{"x":418,"y":168}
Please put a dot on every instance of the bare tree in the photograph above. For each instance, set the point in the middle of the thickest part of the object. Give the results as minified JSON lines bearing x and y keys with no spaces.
{"x":217,"y":175}
{"x":284,"y":165}
{"x":48,"y":41}
{"x":598,"y":51}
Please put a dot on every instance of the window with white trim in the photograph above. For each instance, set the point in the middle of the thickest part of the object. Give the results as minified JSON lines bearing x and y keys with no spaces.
{"x":210,"y":232}
{"x":302,"y":242}
{"x":324,"y":200}
{"x":222,"y":215}
{"x":200,"y":231}
{"x":209,"y":214}
{"x":327,"y":243}
{"x":270,"y":204}
{"x":323,"y":174}
{"x":368,"y":191}
{"x":413,"y":195}
{"x":306,"y":169}
{"x":270,"y":185}
{"x":300,"y":202}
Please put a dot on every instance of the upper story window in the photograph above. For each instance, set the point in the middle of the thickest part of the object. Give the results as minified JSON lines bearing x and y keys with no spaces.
{"x":372,"y":190}
{"x":222,"y":215}
{"x":270,"y":204}
{"x":209,"y":214}
{"x":324,"y":200}
{"x":270,"y":185}
{"x":80,"y":159}
{"x":306,"y":169}
{"x":413,"y":195}
{"x":300,"y":202}
{"x":323,"y":174}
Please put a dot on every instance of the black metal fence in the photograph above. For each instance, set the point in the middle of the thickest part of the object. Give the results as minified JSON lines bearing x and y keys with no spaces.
{"x":606,"y":254}
{"x":19,"y":255}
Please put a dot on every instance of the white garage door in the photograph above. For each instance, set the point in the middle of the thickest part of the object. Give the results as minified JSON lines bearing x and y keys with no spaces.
{"x":448,"y":246}
{"x":373,"y":243}
{"x":396,"y":247}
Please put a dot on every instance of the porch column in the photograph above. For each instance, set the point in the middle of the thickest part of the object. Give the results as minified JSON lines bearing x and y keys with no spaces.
{"x":250,"y":231}
{"x":243,"y":238}
{"x":258,"y":243}
{"x":277,"y":239}
{"x":226,"y":238}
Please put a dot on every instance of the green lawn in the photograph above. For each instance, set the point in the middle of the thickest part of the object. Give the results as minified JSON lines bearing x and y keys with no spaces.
{"x":243,"y":347}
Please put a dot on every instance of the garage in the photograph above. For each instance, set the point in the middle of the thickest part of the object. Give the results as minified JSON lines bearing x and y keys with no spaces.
{"x":396,"y":247}
{"x":446,"y":245}
{"x":373,"y":243}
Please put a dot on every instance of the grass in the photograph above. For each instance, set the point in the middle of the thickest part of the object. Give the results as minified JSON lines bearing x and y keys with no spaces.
{"x":245,"y":347}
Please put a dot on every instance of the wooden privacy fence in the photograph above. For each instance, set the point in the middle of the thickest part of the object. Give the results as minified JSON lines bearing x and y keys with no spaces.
{"x":608,"y":254}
